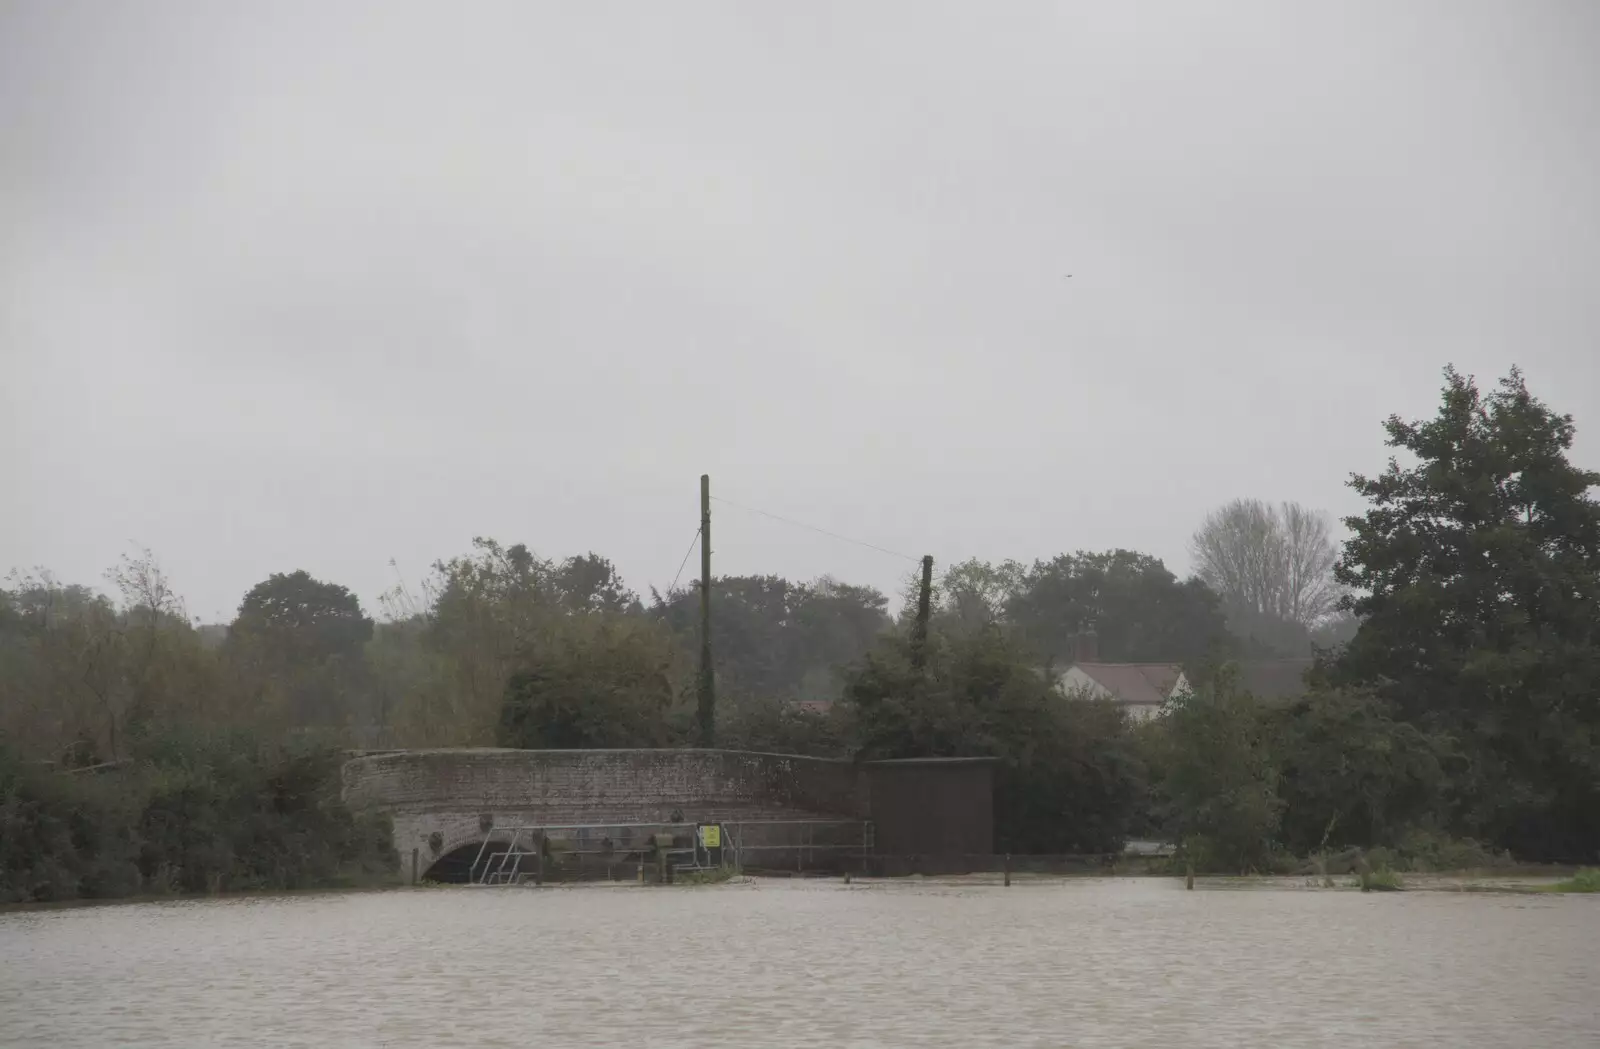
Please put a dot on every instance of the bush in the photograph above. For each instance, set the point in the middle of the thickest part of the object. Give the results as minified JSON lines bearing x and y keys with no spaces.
{"x":1428,"y":850}
{"x":1217,"y":794}
{"x":1068,"y":776}
{"x":1381,"y":879}
{"x":194,"y":814}
{"x":1587,"y":880}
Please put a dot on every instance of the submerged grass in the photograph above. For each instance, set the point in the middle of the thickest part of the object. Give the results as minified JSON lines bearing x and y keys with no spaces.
{"x":1381,"y":880}
{"x":713,"y":876}
{"x":1587,"y":880}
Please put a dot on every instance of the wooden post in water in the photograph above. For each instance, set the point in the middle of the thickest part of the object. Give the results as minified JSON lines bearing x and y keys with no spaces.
{"x":1188,"y":875}
{"x":413,"y":866}
{"x":1008,"y":870}
{"x":538,"y":864}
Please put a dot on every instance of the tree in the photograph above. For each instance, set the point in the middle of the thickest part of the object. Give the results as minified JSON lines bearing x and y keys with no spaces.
{"x":1139,"y":610}
{"x":1350,"y":774}
{"x":774,"y":638}
{"x":1068,"y":777}
{"x":63,"y":691}
{"x":973,"y":594}
{"x":590,"y":583}
{"x":598,"y":681}
{"x":485,"y":609}
{"x":1477,"y":577}
{"x":167,"y":672}
{"x":1272,"y":566}
{"x":300,"y":640}
{"x":303,"y":617}
{"x":1217,"y":780}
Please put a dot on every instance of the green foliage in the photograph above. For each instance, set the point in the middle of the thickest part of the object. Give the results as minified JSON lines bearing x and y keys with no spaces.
{"x":1380,"y":879}
{"x":1478,"y":569}
{"x":713,"y":876}
{"x":781,"y":727}
{"x":80,"y":677}
{"x":1217,"y":789}
{"x":595,"y":681}
{"x":776,"y":638}
{"x":300,"y":642}
{"x":59,"y":837}
{"x":1587,"y":880}
{"x":1139,"y":610}
{"x":1422,"y":850}
{"x":298,"y":617}
{"x":189,"y":815}
{"x":1068,"y":774}
{"x":1348,"y":773}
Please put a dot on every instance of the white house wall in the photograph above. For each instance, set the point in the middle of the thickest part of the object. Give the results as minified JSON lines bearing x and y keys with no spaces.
{"x":1075,"y":681}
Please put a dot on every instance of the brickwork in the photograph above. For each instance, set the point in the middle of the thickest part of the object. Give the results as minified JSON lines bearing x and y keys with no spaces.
{"x":438,"y":799}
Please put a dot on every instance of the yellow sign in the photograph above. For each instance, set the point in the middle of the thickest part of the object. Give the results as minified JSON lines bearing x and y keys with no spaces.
{"x":711,"y":836}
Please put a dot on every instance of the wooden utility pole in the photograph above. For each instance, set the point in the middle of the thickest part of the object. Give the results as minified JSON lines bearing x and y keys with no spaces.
{"x":708,"y":697}
{"x":919,"y":629}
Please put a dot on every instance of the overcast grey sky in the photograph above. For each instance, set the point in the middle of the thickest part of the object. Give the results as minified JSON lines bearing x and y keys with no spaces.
{"x":314,"y":285}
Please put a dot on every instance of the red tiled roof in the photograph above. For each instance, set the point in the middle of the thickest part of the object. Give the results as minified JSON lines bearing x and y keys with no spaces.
{"x":1134,"y":682}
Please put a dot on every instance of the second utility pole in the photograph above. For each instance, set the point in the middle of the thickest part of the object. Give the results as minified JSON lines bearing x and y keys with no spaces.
{"x":919,"y":628}
{"x":708,"y":698}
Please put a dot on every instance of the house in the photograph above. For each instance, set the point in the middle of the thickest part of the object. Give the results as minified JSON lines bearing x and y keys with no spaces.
{"x":1141,"y":689}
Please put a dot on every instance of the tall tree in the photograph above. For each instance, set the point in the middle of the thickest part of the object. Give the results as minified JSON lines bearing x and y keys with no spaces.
{"x":1477,"y":572}
{"x":594,"y":681}
{"x":63,"y":693}
{"x":303,"y":617}
{"x":975,"y":594}
{"x":301,"y":643}
{"x":775,"y":638}
{"x":1218,"y":783}
{"x":1268,"y":563}
{"x":1139,"y":610}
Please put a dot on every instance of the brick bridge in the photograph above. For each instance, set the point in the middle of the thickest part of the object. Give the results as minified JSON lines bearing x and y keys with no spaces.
{"x":446,"y":803}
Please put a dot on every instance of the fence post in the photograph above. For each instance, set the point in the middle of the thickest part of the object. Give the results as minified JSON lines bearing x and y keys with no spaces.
{"x":1008,"y":870}
{"x":413,"y":866}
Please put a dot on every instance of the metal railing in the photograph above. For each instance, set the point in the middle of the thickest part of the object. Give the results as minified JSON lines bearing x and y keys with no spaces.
{"x":797,"y":844}
{"x":538,"y":852}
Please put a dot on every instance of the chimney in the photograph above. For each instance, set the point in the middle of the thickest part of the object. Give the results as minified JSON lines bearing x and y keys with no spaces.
{"x":1087,"y":647}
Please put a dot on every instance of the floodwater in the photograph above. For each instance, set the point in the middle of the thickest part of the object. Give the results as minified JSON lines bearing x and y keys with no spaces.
{"x":1079,"y":962}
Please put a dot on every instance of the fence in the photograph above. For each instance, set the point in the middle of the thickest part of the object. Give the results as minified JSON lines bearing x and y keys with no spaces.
{"x":785,"y":848}
{"x":658,"y":851}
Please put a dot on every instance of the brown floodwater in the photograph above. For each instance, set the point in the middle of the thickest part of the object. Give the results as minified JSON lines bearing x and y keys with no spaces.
{"x":1081,"y":962}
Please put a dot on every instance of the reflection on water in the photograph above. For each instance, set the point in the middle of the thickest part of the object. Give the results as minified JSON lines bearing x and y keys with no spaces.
{"x":1065,"y":963}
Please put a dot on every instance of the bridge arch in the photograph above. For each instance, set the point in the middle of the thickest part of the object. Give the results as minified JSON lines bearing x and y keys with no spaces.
{"x":464,"y":861}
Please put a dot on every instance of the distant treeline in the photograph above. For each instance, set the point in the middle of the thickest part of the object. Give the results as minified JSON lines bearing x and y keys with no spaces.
{"x":1456,"y":695}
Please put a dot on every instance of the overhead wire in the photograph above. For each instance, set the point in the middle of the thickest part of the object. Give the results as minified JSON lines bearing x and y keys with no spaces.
{"x":814,"y":528}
